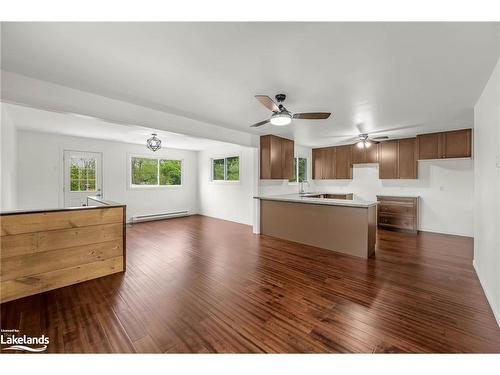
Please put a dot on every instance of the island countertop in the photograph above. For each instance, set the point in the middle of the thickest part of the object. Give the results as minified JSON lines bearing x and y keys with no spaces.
{"x":306,"y":198}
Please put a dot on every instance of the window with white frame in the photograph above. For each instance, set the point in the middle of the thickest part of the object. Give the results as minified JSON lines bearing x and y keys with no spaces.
{"x":146,"y":171}
{"x":300,"y":170}
{"x":226,"y":169}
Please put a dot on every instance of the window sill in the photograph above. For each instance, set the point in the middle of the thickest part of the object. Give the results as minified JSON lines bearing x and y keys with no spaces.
{"x":154,"y":187}
{"x":224,"y":182}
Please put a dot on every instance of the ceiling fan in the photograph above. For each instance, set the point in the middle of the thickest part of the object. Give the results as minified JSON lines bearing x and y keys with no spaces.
{"x":365,"y":141}
{"x":281,"y":116}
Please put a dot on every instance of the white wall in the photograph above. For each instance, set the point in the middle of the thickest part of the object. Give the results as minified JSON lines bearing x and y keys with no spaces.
{"x":487,"y":190}
{"x":8,"y":163}
{"x":227,"y":200}
{"x":40,"y":176}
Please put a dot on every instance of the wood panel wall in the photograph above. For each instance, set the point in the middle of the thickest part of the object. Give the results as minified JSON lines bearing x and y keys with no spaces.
{"x":41,"y":251}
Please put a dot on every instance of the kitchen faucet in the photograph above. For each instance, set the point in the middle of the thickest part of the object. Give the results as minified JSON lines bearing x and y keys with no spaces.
{"x":301,"y":186}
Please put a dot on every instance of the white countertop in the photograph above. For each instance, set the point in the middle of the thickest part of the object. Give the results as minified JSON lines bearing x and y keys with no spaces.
{"x":327,"y":201}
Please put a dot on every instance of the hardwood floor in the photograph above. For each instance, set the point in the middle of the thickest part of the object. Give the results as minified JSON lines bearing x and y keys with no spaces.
{"x":199,"y":285}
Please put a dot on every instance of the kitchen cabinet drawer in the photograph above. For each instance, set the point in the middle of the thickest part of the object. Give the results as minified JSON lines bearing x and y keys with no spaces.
{"x":398,"y":212}
{"x":400,"y":222}
{"x":401,"y":208}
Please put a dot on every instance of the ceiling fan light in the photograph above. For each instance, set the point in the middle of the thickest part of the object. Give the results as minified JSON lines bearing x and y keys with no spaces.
{"x":367,"y":144}
{"x":281,"y":119}
{"x":360,"y":144}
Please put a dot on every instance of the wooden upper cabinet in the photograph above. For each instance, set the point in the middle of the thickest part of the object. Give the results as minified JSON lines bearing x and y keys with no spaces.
{"x":323,"y":163}
{"x":371,"y":153}
{"x":317,"y":164}
{"x":428,"y":146}
{"x":407,"y":158}
{"x":364,"y":155}
{"x":456,"y":144}
{"x":332,"y":163}
{"x":287,"y":153}
{"x":388,"y":160}
{"x":398,"y":159}
{"x":343,"y":165}
{"x":276,"y":158}
{"x":358,"y":155}
{"x":329,"y":163}
{"x":452,"y":144}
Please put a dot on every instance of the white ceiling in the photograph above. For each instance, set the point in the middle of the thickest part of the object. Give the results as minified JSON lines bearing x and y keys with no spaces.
{"x":33,"y":119}
{"x":411,"y":77}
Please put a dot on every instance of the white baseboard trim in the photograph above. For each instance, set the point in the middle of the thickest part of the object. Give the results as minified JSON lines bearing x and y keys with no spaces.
{"x":445,"y":232}
{"x":496,"y":314}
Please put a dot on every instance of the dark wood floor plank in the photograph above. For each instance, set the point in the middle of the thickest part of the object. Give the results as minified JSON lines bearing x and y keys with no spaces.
{"x":204,"y":285}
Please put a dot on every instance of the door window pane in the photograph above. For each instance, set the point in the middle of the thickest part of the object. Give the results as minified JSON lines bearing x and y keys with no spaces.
{"x":82,"y":174}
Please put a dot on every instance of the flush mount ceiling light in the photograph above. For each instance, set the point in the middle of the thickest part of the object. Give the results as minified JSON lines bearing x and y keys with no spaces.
{"x":153,"y":143}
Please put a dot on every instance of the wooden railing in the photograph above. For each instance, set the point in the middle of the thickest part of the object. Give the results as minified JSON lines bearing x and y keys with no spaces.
{"x":48,"y":249}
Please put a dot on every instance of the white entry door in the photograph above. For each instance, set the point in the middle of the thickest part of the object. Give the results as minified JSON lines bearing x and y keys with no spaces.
{"x":82,"y":177}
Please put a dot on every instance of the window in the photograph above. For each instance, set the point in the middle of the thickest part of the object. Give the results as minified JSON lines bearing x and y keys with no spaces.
{"x":155,"y":172}
{"x":300,"y":170}
{"x":226,"y":169}
{"x":82,"y":174}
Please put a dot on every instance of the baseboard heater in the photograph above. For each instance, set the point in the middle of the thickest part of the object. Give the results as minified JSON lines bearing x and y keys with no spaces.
{"x":158,"y":216}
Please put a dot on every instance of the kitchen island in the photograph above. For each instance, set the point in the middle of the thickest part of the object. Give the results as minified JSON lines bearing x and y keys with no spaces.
{"x":345,"y":226}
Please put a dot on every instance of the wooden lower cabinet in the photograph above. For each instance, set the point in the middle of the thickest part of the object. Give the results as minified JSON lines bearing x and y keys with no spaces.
{"x":397,"y":213}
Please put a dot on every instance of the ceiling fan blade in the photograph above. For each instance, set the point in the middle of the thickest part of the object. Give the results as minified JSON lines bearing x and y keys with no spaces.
{"x":312,"y":115}
{"x":259,"y":124}
{"x":267,"y":102}
{"x":378,"y":138}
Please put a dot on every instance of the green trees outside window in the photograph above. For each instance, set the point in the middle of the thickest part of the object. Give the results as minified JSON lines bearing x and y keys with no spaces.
{"x":227,"y":169}
{"x":156,"y":172}
{"x":300,"y":170}
{"x":218,"y":169}
{"x":82,"y":174}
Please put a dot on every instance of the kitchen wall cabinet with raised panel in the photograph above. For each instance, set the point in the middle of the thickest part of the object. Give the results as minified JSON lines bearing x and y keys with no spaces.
{"x":364,"y":155}
{"x":276,"y":158}
{"x":407,"y":158}
{"x":445,"y":145}
{"x":342,"y":162}
{"x":332,"y":163}
{"x":398,"y":159}
{"x":323,"y":163}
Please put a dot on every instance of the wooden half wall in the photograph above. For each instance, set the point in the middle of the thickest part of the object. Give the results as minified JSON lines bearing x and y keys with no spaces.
{"x":45,"y":250}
